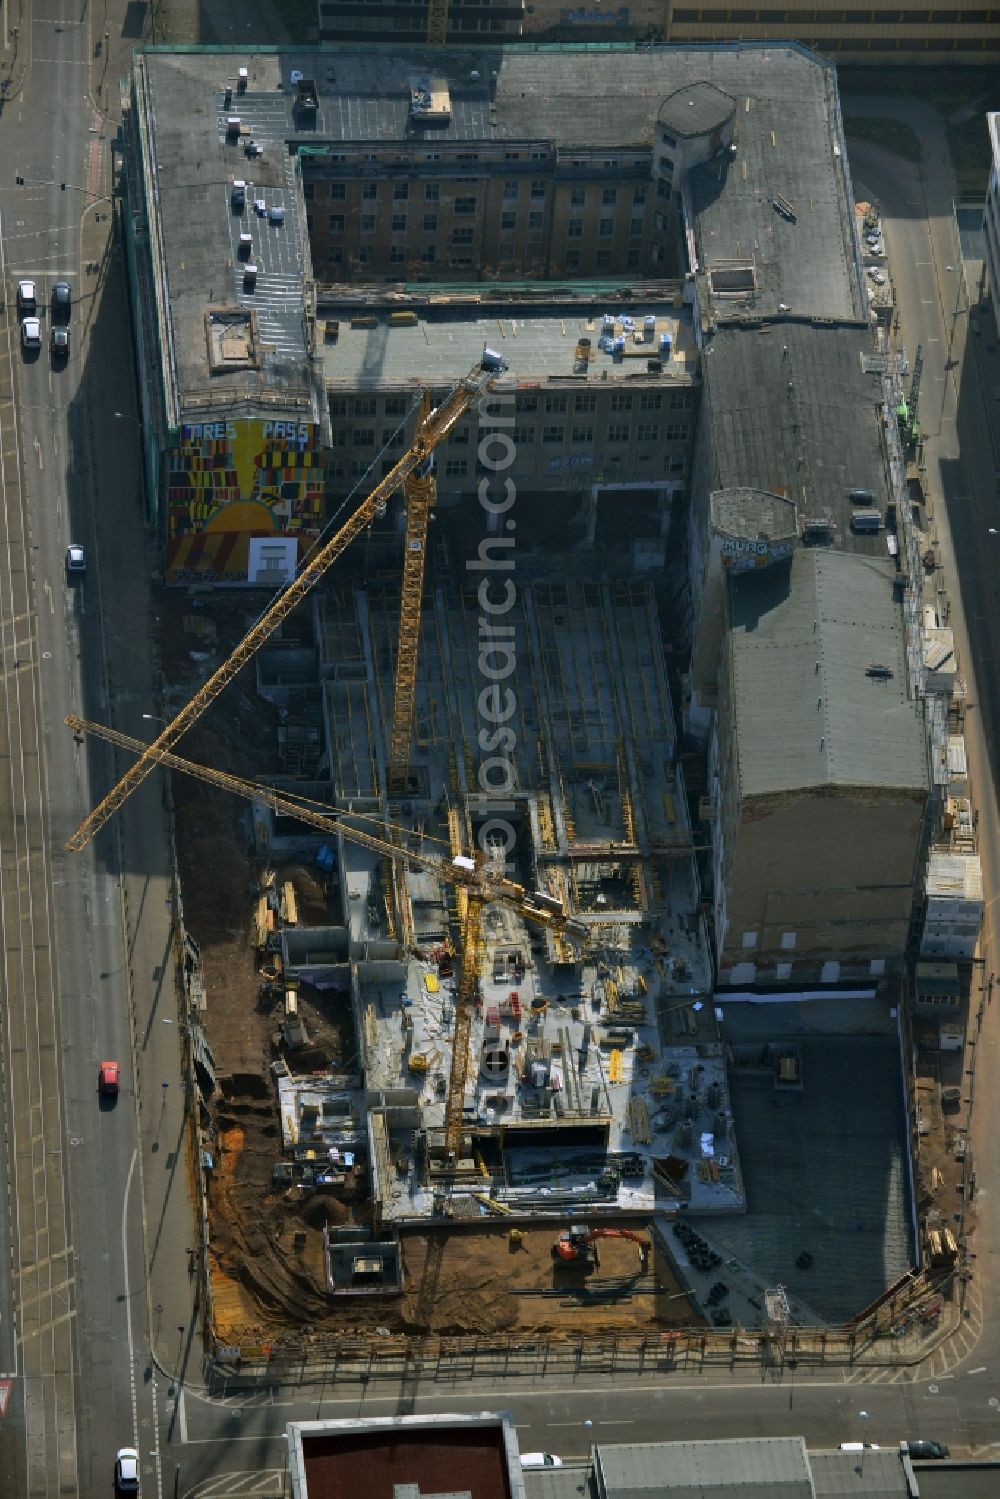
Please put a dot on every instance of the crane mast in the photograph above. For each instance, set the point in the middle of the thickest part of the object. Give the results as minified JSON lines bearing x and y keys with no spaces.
{"x":419,"y":491}
{"x":432,"y":430}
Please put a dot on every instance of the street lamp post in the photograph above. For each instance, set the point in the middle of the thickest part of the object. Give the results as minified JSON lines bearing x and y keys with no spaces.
{"x":864,"y":1439}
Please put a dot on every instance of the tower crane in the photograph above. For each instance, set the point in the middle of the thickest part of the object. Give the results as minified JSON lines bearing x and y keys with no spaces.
{"x":432,"y":428}
{"x":477,"y":876}
{"x":437,"y":22}
{"x":419,"y":490}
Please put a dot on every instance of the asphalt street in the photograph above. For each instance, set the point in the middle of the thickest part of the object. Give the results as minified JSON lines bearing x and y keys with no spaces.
{"x":78,"y":1300}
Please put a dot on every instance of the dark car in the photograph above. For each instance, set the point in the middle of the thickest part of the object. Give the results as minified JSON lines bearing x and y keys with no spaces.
{"x":925,"y":1449}
{"x":62,"y":301}
{"x":59,"y":341}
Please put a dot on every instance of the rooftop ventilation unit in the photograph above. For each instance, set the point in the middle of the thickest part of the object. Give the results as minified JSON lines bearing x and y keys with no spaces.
{"x":430,"y":101}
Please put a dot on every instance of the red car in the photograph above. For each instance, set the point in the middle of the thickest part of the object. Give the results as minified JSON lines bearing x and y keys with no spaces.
{"x":107,"y":1079}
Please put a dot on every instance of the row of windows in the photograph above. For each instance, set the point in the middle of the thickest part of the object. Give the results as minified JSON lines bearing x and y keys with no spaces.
{"x":844,"y":17}
{"x":466,"y":203}
{"x":525,"y":404}
{"x":554,"y":433}
{"x":506,"y":256}
{"x":364,"y":406}
{"x":621,"y":400}
{"x":398,"y":223}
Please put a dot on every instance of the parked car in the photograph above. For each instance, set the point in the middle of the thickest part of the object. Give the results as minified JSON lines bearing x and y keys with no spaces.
{"x":127,"y":1471}
{"x":59,"y":341}
{"x":540,"y":1460}
{"x":27,"y":303}
{"x":76,"y":561}
{"x":62,"y":301}
{"x":31,"y":333}
{"x":925,"y":1449}
{"x":108,"y":1076}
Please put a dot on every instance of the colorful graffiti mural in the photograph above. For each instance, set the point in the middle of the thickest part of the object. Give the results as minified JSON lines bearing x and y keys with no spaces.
{"x":230,"y":481}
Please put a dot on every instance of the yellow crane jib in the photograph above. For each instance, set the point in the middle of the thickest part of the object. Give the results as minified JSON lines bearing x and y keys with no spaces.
{"x":429,"y":433}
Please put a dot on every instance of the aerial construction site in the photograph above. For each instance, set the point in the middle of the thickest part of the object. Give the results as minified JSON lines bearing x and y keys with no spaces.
{"x":542,"y":749}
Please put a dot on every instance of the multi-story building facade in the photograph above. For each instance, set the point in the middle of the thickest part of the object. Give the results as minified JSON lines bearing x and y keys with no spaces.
{"x":469,"y":21}
{"x":991,"y":220}
{"x":951,"y":33}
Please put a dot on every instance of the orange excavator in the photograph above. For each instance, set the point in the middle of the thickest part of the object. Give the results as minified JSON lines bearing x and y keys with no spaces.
{"x":578,"y":1243}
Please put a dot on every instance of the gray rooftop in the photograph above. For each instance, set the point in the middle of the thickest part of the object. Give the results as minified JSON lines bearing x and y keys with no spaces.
{"x":807,"y":711}
{"x":791,"y":410}
{"x":775,"y":1466}
{"x":753,"y":514}
{"x":536,"y":345}
{"x":841,"y":1473}
{"x":696,"y":110}
{"x":196,"y":234}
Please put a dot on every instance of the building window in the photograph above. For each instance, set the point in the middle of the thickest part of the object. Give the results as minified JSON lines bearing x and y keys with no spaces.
{"x":749,"y":941}
{"x":466,"y":204}
{"x":456,"y":468}
{"x":400,"y":191}
{"x":675,"y":431}
{"x":396,"y":255}
{"x":367,"y":223}
{"x":430,"y":223}
{"x":526,"y":403}
{"x":607,"y":228}
{"x":665,"y":139}
{"x":578,"y":197}
{"x":646,"y":432}
{"x":784,"y":971}
{"x":619,"y":431}
{"x":395,"y":406}
{"x":572,"y":260}
{"x":535,"y":223}
{"x":336,"y":223}
{"x":510,"y":191}
{"x":650,"y":400}
{"x":462,"y":236}
{"x":391,"y":438}
{"x":432,"y":192}
{"x":308,"y":191}
{"x":574,"y":229}
{"x":364,"y":406}
{"x":830,"y":972}
{"x":681,"y":400}
{"x":609,"y":197}
{"x":370,"y":191}
{"x":522,"y":436}
{"x":635,"y":228}
{"x":359,"y":467}
{"x":584,"y":403}
{"x":638,"y":197}
{"x":554,"y":435}
{"x":508,"y":221}
{"x":555,"y":405}
{"x":399,"y":223}
{"x":663,"y":188}
{"x":338,"y":191}
{"x":603,"y":260}
{"x":621,"y":400}
{"x":363,"y":437}
{"x":582,"y":434}
{"x":427,"y":255}
{"x":537,"y":191}
{"x":336,"y":255}
{"x":788,"y":941}
{"x":876,"y":968}
{"x":338,"y":406}
{"x":364,"y":255}
{"x":460,"y":438}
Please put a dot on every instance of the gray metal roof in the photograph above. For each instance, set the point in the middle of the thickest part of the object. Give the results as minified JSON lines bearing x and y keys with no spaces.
{"x":807,"y":710}
{"x":753,"y":514}
{"x":775,"y":1466}
{"x":841,"y":1473}
{"x":791,"y":410}
{"x":696,"y":109}
{"x":185,"y":138}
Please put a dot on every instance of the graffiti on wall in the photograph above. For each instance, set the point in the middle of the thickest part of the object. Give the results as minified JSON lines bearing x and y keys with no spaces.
{"x":229,"y":481}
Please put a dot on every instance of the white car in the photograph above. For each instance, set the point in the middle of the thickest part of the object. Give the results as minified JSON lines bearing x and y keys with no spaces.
{"x":31,"y":333}
{"x":127,"y":1471}
{"x":26,"y":299}
{"x":540,"y":1460}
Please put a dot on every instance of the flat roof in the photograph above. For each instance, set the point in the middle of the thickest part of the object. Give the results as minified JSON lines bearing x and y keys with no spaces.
{"x":791,"y":410}
{"x":473,"y":1455}
{"x":190,"y":167}
{"x":819,"y":679}
{"x":535,"y":344}
{"x":777,"y":1466}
